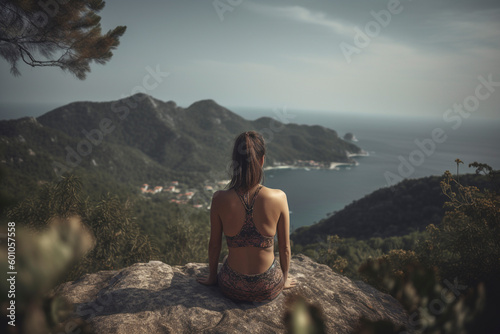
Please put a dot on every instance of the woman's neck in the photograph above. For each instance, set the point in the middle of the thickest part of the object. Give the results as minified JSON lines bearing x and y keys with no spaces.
{"x":248,"y":190}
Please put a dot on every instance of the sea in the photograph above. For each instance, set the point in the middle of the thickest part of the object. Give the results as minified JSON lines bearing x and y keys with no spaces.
{"x":399,"y":147}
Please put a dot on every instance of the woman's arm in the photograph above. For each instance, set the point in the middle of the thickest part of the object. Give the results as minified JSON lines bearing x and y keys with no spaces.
{"x":214,"y":246}
{"x":284,"y":235}
{"x":284,"y":242}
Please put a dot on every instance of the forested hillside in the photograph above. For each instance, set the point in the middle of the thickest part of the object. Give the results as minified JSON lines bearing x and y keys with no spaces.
{"x":409,"y":206}
{"x":139,"y":139}
{"x":445,"y":276}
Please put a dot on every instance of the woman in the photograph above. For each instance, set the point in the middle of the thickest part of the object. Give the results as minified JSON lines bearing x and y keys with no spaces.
{"x":249,"y":215}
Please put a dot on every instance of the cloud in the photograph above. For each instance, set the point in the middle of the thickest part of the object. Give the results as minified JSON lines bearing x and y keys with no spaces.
{"x":303,"y":15}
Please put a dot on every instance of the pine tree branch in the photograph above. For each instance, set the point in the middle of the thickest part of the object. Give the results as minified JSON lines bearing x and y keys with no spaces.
{"x":33,"y":62}
{"x":72,"y":35}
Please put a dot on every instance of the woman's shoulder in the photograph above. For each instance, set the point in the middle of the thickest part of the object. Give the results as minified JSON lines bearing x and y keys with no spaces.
{"x":220,"y":194}
{"x":273,"y":193}
{"x":270,"y":193}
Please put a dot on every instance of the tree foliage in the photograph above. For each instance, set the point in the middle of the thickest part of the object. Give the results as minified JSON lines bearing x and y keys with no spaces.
{"x":466,"y":244}
{"x":445,"y":277}
{"x":61,"y":33}
{"x":118,"y":241}
{"x":462,"y":255}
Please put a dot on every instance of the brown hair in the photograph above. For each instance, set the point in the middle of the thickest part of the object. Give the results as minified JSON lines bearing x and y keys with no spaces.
{"x":246,"y":171}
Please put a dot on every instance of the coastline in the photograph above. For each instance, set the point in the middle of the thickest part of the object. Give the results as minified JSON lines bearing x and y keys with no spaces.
{"x":333,"y":165}
{"x":363,"y":153}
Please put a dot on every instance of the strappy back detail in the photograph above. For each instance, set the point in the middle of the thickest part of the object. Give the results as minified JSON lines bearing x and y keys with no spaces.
{"x":248,"y":236}
{"x":248,"y":206}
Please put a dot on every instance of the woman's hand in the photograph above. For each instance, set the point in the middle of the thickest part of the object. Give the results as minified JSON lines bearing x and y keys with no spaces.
{"x":207,"y":280}
{"x":290,"y":283}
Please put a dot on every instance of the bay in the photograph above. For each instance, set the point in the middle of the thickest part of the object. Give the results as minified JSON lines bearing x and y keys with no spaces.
{"x":389,"y":140}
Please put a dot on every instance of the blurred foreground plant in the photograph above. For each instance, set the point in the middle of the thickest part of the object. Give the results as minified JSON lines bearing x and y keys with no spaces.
{"x":42,"y":259}
{"x":302,"y":317}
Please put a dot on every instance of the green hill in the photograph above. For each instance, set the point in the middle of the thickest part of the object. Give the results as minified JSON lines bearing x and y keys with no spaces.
{"x":140,"y":139}
{"x":409,"y":206}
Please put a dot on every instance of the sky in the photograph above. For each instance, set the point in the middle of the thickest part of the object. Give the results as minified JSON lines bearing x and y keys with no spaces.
{"x":418,"y":57}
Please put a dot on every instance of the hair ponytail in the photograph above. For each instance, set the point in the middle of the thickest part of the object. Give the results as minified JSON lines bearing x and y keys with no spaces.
{"x":246,"y":171}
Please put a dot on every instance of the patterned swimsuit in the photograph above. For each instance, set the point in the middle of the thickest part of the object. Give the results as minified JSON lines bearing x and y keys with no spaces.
{"x":260,"y":287}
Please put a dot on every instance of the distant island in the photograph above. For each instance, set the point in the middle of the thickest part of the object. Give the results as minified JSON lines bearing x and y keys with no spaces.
{"x":350,"y":136}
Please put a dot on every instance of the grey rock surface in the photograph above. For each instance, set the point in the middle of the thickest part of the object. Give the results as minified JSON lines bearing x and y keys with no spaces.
{"x":158,"y":298}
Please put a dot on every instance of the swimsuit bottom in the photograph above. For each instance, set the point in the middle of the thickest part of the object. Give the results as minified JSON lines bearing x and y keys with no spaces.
{"x":253,"y":288}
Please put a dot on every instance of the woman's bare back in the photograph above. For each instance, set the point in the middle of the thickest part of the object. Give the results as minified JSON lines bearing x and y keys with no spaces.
{"x":267,"y":210}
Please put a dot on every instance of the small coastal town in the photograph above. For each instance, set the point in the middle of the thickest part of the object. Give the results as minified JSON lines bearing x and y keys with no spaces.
{"x":179,"y":193}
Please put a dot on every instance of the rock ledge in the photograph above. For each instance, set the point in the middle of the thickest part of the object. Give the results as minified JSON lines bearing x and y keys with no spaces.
{"x":157,"y":298}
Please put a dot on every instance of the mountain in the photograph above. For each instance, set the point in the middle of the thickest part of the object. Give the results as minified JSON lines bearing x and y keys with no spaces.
{"x":408,"y":206}
{"x":127,"y":142}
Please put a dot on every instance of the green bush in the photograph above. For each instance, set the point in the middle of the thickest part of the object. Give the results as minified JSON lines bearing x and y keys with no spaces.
{"x":461,"y":255}
{"x":118,"y":242}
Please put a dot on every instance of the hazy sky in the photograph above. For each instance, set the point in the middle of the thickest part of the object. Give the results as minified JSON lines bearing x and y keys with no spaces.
{"x":309,"y":55}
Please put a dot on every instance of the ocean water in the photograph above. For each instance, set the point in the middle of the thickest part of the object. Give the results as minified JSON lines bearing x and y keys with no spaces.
{"x":18,"y":110}
{"x":313,"y":194}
